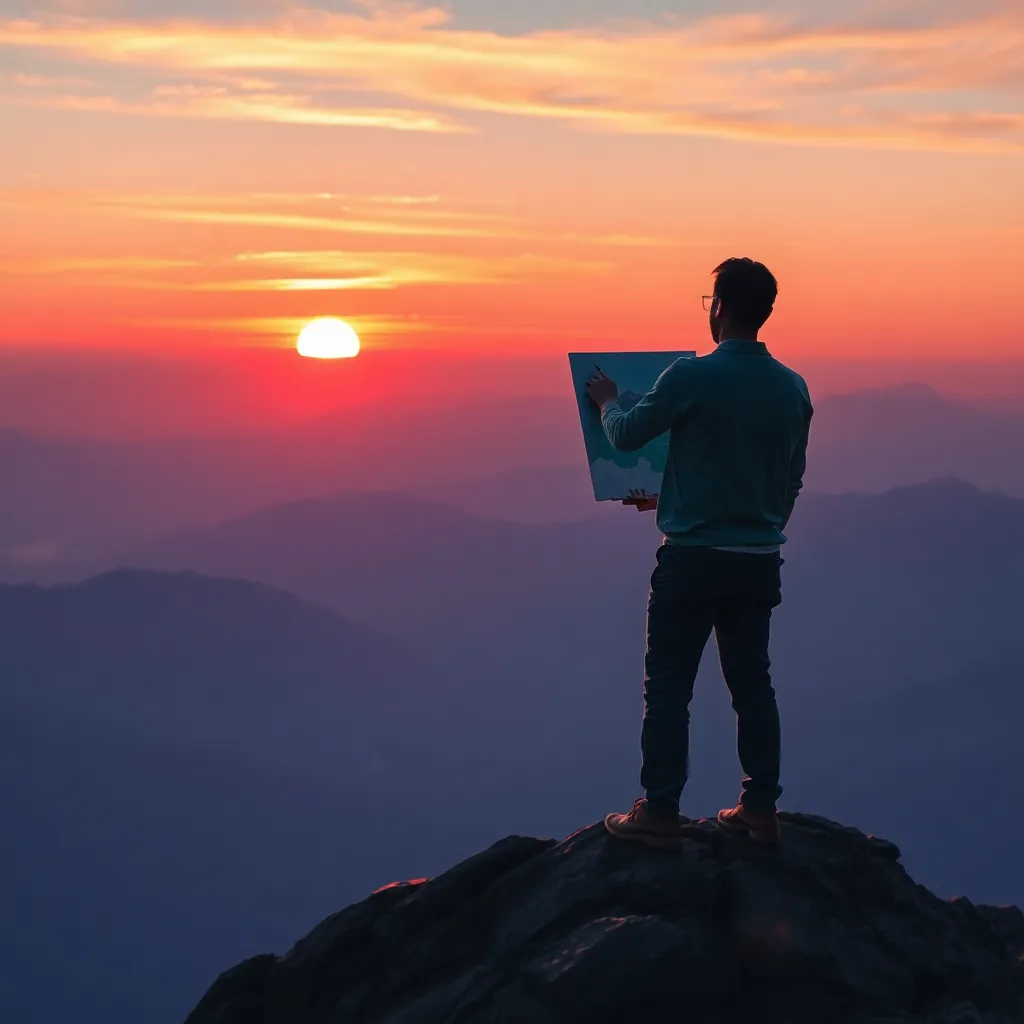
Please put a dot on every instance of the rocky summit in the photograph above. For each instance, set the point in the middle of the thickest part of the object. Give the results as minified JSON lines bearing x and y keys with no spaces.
{"x":826,"y":929}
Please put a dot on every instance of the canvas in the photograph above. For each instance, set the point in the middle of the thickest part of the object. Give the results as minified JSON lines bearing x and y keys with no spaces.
{"x":614,"y":474}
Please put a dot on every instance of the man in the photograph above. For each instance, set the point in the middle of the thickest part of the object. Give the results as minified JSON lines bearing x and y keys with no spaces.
{"x":739,"y":423}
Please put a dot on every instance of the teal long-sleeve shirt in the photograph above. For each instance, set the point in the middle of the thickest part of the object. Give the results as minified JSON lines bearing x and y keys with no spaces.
{"x":739,"y":422}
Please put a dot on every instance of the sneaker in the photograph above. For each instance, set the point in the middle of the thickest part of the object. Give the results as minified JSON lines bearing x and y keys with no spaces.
{"x":762,"y":828}
{"x":643,"y":827}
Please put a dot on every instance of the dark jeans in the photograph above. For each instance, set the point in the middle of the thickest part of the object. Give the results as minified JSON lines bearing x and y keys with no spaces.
{"x":695,"y":590}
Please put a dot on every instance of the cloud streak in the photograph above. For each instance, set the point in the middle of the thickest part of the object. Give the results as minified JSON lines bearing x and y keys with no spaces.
{"x":326,"y":270}
{"x":422,"y":221}
{"x":386,"y":217}
{"x":224,"y":103}
{"x":946,"y":81}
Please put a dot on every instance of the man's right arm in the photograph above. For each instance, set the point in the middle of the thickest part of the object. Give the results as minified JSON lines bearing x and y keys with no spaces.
{"x":651,"y":417}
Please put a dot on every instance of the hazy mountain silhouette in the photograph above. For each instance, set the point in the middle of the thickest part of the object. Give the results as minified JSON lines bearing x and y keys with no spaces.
{"x":867,"y":441}
{"x":927,"y":761}
{"x":236,"y":667}
{"x":194,"y":851}
{"x":540,"y":494}
{"x":194,"y":765}
{"x":877,"y":586}
{"x":134,"y":870}
{"x":393,"y":676}
{"x":457,"y":587}
{"x":66,"y":499}
{"x":886,"y":595}
{"x":874,"y":440}
{"x":219,"y":664}
{"x":78,"y":496}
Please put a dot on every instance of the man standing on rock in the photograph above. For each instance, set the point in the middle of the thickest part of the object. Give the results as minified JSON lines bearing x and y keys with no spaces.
{"x":739,"y":423}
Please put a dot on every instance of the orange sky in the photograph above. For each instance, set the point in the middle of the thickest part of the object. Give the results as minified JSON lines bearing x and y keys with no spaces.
{"x":177,"y":183}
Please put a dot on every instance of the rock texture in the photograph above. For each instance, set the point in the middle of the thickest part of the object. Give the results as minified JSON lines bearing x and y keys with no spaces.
{"x":827,"y":929}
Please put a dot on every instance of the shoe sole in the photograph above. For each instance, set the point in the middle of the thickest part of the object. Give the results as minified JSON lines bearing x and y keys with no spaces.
{"x":755,"y":837}
{"x":655,"y":842}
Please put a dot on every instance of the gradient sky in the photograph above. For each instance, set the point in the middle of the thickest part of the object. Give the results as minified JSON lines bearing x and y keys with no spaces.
{"x":505,"y":178}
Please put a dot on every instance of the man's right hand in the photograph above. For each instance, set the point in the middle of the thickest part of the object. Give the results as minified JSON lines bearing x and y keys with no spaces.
{"x":642,"y":501}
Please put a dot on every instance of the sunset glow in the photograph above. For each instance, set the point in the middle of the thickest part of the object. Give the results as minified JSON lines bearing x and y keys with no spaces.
{"x":492,"y":181}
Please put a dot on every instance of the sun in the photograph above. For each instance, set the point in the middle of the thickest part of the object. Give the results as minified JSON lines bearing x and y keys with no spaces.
{"x":328,"y":338}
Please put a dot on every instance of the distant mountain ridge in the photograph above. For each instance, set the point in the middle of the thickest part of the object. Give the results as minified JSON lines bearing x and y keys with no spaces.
{"x":67,"y":499}
{"x":469,"y":583}
{"x":288,"y":704}
{"x":883,"y":595}
{"x":130,"y":865}
{"x":877,"y":440}
{"x":220,"y":664}
{"x":177,"y":721}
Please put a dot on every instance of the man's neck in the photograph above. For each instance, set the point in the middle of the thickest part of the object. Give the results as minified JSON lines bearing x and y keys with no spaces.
{"x":730,"y":333}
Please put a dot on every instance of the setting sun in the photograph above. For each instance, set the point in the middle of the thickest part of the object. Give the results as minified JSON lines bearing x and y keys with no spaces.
{"x":328,"y":338}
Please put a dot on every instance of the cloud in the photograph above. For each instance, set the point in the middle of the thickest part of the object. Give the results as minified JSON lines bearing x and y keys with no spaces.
{"x":391,"y":270}
{"x":46,"y":266}
{"x":311,"y":269}
{"x":286,"y":211}
{"x":216,"y":102}
{"x":742,"y":76}
{"x":396,"y":217}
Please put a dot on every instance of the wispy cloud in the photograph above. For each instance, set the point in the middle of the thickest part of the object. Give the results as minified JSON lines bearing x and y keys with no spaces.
{"x":296,"y":212}
{"x":391,"y":270}
{"x":46,"y":266}
{"x":226,"y":103}
{"x":937,"y":80}
{"x":423,"y":220}
{"x":395,"y":217}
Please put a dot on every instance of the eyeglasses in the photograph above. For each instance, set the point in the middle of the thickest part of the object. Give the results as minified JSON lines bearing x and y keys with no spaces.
{"x":706,"y":301}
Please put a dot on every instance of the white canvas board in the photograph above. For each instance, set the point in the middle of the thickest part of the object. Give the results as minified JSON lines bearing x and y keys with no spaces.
{"x":614,"y":474}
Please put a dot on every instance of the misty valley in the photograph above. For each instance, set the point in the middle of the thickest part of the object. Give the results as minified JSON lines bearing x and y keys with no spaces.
{"x":215,"y":733}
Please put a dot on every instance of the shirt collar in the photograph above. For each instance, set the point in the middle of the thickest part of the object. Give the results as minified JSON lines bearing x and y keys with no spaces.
{"x":743,"y":345}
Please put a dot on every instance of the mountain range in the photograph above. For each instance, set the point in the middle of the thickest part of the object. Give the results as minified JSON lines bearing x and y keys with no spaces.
{"x":133,"y":867}
{"x":889,"y":599}
{"x":195,"y":766}
{"x":877,"y":586}
{"x":277,"y":713}
{"x":72,"y":500}
{"x":222,"y":665}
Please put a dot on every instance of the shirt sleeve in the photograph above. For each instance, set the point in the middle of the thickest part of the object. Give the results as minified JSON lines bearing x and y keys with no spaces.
{"x":651,"y":417}
{"x":797,"y":468}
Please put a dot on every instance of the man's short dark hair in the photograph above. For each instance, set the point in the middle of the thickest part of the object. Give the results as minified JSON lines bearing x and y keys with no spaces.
{"x":747,"y":289}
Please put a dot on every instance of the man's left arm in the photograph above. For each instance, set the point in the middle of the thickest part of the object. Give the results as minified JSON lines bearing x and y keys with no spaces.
{"x":797,"y":467}
{"x":651,"y":417}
